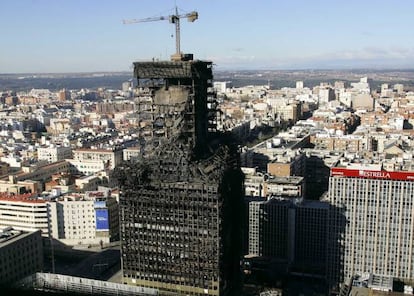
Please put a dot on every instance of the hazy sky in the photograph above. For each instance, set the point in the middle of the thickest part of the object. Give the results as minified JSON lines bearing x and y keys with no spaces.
{"x":88,"y":35}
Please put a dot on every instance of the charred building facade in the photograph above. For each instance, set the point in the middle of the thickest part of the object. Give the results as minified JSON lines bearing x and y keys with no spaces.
{"x":176,"y":100}
{"x":181,"y":204}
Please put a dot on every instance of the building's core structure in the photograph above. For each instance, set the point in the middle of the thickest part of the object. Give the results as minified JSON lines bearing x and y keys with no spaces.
{"x":181,"y":202}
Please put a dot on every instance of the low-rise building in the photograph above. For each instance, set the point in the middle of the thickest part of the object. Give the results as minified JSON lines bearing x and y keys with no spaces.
{"x":19,"y":187}
{"x":291,"y":186}
{"x":111,"y":158}
{"x":54,"y":153}
{"x":370,"y":284}
{"x":86,"y":167}
{"x":253,"y":182}
{"x":87,"y":183}
{"x":287,"y":165}
{"x":131,"y":153}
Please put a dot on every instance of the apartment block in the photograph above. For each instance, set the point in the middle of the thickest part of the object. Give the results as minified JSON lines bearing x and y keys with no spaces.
{"x":41,"y":172}
{"x":86,"y":167}
{"x":288,"y":112}
{"x":111,"y":158}
{"x":54,"y":153}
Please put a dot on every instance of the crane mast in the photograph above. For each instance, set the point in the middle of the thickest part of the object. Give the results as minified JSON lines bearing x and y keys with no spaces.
{"x":173,"y":19}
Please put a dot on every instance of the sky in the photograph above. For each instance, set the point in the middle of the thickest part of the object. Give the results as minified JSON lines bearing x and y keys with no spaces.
{"x":55,"y":36}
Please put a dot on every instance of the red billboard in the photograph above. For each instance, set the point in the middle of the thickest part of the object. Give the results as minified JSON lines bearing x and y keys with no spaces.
{"x":368,"y":174}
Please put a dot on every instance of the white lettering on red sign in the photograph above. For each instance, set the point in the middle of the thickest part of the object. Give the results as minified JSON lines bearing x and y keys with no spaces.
{"x":374,"y":174}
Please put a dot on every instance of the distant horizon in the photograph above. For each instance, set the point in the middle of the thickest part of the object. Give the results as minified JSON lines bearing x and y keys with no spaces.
{"x":221,"y":70}
{"x":75,"y":36}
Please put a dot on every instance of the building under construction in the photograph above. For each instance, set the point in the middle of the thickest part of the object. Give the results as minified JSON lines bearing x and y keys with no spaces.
{"x":181,"y":203}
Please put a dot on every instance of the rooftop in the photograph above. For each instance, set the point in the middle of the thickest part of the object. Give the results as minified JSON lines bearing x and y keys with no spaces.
{"x":27,"y":197}
{"x":296,"y":180}
{"x":9,"y":235}
{"x":170,"y":69}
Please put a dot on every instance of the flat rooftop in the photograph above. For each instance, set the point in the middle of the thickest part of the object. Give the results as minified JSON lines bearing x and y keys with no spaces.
{"x":9,"y":235}
{"x":293,"y":180}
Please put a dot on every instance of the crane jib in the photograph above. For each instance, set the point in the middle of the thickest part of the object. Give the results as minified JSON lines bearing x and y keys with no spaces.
{"x":173,"y":19}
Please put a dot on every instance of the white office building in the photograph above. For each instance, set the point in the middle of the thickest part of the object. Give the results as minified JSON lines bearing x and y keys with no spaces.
{"x":373,"y":222}
{"x":110,"y":158}
{"x":72,"y":219}
{"x":24,"y":212}
{"x":84,"y":218}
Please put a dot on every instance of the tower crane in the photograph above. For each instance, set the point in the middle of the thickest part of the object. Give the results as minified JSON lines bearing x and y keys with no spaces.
{"x":173,"y":19}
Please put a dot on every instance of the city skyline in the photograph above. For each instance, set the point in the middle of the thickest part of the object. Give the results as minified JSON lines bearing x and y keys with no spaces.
{"x":84,"y":36}
{"x":224,"y":188}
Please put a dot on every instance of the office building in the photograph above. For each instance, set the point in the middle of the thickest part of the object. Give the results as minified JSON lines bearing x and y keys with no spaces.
{"x":21,"y":254}
{"x":72,"y":219}
{"x":293,"y":233}
{"x":372,"y":222}
{"x":182,"y":206}
{"x":89,"y":218}
{"x":326,"y":94}
{"x":24,"y":212}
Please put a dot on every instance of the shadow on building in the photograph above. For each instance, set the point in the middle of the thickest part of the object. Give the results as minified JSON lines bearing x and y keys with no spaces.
{"x":295,"y":242}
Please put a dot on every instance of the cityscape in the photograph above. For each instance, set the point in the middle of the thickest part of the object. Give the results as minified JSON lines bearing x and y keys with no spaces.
{"x":199,"y":173}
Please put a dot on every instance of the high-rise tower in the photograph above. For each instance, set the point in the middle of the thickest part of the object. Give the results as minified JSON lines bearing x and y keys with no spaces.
{"x":374,"y":221}
{"x":181,"y":204}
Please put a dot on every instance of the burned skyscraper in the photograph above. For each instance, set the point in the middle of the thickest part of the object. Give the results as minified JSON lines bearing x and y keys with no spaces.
{"x":181,"y":203}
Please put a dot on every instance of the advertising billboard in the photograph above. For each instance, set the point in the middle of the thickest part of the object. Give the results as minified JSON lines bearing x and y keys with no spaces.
{"x":387,"y":175}
{"x":100,"y":204}
{"x":102,"y":219}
